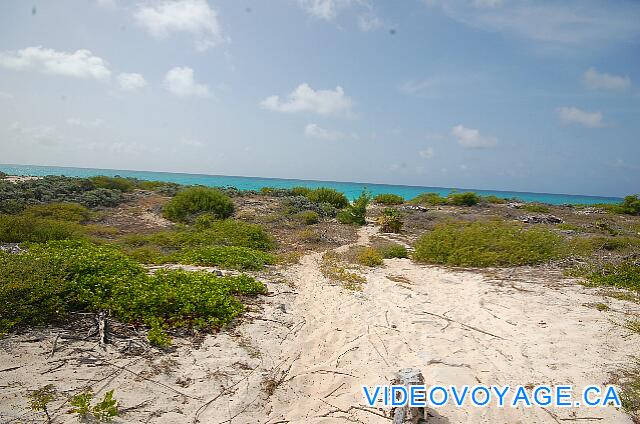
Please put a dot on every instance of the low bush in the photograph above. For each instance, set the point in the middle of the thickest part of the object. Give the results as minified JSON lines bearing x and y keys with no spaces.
{"x":328,"y":195}
{"x":369,"y":256}
{"x":468,"y":198}
{"x":113,"y":183}
{"x":390,"y":221}
{"x":3,"y":175}
{"x":300,"y":191}
{"x":71,"y":212}
{"x":624,"y":275}
{"x":393,"y":251}
{"x":308,"y":217}
{"x":488,"y":243}
{"x":230,"y":257}
{"x":14,"y":197}
{"x":193,"y":201}
{"x":52,"y":279}
{"x":535,"y":208}
{"x":494,"y":199}
{"x":431,"y":199}
{"x":388,"y":199}
{"x":356,"y":212}
{"x":630,"y":205}
{"x":24,"y":228}
{"x":206,"y":232}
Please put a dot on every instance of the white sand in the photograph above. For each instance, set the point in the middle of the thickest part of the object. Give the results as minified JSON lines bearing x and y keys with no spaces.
{"x":321,"y":343}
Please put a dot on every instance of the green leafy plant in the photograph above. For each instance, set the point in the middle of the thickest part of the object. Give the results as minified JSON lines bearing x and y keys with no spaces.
{"x":494,"y":199}
{"x":24,"y":228}
{"x":328,"y":195}
{"x":432,"y":199}
{"x":393,"y":250}
{"x":468,"y":198}
{"x":390,"y":221}
{"x":355,"y":213}
{"x":71,"y":212}
{"x":488,"y":243}
{"x":233,"y":257}
{"x":369,"y":256}
{"x":113,"y":183}
{"x":193,"y":201}
{"x":103,"y":411}
{"x":40,"y":399}
{"x":388,"y":199}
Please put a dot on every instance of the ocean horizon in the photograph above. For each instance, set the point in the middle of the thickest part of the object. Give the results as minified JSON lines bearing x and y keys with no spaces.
{"x":350,"y":189}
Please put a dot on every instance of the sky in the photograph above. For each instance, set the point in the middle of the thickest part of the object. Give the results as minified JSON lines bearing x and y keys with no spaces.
{"x":540,"y":96}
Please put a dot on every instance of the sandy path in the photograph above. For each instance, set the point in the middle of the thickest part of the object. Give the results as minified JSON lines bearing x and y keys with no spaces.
{"x":302,"y":354}
{"x":541,"y":334}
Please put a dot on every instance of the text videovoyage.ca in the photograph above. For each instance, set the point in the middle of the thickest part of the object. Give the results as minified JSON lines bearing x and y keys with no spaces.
{"x":481,"y":396}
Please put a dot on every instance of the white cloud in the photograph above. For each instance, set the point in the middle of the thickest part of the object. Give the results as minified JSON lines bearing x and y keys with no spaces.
{"x":324,"y":9}
{"x":573,"y":115}
{"x":315,"y":131}
{"x":596,"y":80}
{"x":567,"y":22}
{"x":369,"y":21}
{"x":190,"y":142}
{"x":96,"y":123}
{"x":472,"y":139}
{"x":6,"y":96}
{"x":79,"y":64}
{"x":180,"y":82}
{"x":131,"y":81}
{"x":427,"y":153}
{"x":306,"y":99}
{"x":192,"y":16}
{"x":43,"y":135}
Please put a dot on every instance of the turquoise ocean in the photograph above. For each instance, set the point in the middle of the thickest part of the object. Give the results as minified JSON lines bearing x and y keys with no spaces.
{"x":351,"y":190}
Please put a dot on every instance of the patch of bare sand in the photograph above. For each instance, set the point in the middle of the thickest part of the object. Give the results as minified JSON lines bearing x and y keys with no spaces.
{"x":302,"y":355}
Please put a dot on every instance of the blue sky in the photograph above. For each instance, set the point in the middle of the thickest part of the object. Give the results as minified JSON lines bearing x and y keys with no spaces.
{"x":539,"y":96}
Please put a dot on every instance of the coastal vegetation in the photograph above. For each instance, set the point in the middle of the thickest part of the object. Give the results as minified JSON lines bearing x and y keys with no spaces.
{"x":193,"y":201}
{"x":388,"y":199}
{"x":488,"y":243}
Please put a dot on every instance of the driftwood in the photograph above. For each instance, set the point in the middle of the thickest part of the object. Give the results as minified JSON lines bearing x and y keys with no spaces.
{"x":102,"y":329}
{"x":408,"y":377}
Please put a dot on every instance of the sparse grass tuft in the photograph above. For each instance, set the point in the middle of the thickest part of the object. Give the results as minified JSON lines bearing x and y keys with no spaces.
{"x":535,"y":208}
{"x":332,"y":268}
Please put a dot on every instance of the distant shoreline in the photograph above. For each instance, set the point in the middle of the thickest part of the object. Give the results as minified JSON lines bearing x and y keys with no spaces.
{"x":351,"y":189}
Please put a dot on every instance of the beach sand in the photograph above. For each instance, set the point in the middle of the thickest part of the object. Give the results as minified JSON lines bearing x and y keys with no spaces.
{"x":302,"y":354}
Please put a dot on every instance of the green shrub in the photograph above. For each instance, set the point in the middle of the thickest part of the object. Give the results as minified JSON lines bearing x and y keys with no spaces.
{"x":71,"y":212}
{"x":369,"y":256}
{"x":535,"y":208}
{"x":488,"y":243}
{"x":393,"y":251}
{"x":432,"y":199}
{"x":356,"y":212}
{"x":228,"y":232}
{"x":231,"y":257}
{"x":58,"y":277}
{"x":630,"y":205}
{"x":390,"y":221}
{"x":15,"y":197}
{"x":24,"y":228}
{"x":3,"y":175}
{"x":113,"y":183}
{"x":388,"y":199}
{"x":158,"y":337}
{"x":308,"y":217}
{"x":494,"y":199}
{"x":300,"y":191}
{"x":468,"y":198}
{"x":197,"y":200}
{"x":328,"y":195}
{"x":624,"y":275}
